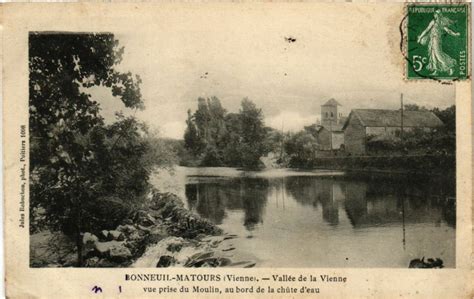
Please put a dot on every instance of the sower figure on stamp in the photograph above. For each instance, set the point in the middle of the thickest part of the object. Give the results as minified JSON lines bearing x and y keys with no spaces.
{"x":439,"y":61}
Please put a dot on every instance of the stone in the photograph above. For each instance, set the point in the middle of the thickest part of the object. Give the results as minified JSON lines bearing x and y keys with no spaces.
{"x":51,"y":248}
{"x":431,"y":263}
{"x":120,"y":253}
{"x":104,"y":248}
{"x":104,"y":235}
{"x":92,"y":262}
{"x":69,"y":261}
{"x":146,"y":220}
{"x":134,"y":236}
{"x":174,"y":247}
{"x":143,"y":228}
{"x":89,"y":238}
{"x":116,"y":235}
{"x":126,"y":229}
{"x":157,"y":234}
{"x":165,"y":261}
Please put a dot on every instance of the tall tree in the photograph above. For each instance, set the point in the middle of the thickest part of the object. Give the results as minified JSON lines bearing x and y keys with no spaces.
{"x":202,"y":118}
{"x":217,"y":128}
{"x":192,"y":142}
{"x":68,"y":138}
{"x":233,"y":140}
{"x":253,"y":134}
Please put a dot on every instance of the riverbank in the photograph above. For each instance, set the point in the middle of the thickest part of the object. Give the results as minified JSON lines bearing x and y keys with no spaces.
{"x":402,"y":164}
{"x":163,"y":234}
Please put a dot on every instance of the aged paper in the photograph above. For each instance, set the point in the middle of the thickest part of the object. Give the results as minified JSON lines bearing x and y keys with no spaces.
{"x":224,"y":150}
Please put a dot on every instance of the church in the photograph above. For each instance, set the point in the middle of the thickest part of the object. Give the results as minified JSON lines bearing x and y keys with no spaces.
{"x":330,"y":132}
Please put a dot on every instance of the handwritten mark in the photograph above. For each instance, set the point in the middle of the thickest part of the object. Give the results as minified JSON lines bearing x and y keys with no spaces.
{"x":97,"y":289}
{"x":290,"y":39}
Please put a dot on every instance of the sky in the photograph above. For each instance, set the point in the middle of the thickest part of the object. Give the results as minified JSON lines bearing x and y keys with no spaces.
{"x":351,"y":55}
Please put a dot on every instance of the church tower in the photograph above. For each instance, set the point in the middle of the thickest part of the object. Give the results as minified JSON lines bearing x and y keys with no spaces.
{"x":329,"y":115}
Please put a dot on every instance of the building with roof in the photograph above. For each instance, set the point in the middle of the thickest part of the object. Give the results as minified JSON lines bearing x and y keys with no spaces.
{"x":330,"y":133}
{"x":382,"y":123}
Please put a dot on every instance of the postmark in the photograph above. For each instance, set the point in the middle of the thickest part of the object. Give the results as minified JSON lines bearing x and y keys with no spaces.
{"x":437,"y":42}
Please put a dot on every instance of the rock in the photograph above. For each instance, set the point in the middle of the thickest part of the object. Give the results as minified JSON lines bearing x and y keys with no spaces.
{"x":119,"y":253}
{"x":198,"y":259}
{"x":128,"y":222}
{"x":114,"y":250}
{"x":134,"y":236}
{"x":146,"y":220}
{"x":104,"y":248}
{"x":211,"y":262}
{"x":89,"y":238}
{"x":47,"y":248}
{"x":157,"y":234}
{"x":229,"y":237}
{"x":251,"y":265}
{"x":69,"y":261}
{"x":126,"y":229}
{"x":429,"y":264}
{"x":174,"y":247}
{"x":98,"y":262}
{"x":143,"y":228}
{"x":165,"y":261}
{"x":116,"y":235}
{"x":104,"y":235}
{"x":92,"y":262}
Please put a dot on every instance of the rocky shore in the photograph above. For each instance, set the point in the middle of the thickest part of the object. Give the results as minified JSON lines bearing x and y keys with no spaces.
{"x":163,"y":234}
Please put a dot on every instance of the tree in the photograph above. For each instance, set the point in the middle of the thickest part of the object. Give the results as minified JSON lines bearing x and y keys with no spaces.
{"x":219,"y":138}
{"x":448,"y":117}
{"x":446,"y":137}
{"x":202,"y":118}
{"x":414,"y":107}
{"x":192,"y":142}
{"x":253,"y":134}
{"x":232,"y":140}
{"x":301,"y":148}
{"x":74,"y":158}
{"x":217,"y":128}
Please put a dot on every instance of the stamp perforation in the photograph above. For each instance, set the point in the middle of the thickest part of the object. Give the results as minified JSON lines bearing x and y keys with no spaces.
{"x":436,"y":61}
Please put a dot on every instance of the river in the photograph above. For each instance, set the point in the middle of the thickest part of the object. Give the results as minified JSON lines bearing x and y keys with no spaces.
{"x":289,"y":218}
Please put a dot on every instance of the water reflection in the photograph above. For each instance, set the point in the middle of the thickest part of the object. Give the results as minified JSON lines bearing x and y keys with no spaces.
{"x":366,"y":203}
{"x":310,"y":221}
{"x":212,"y":197}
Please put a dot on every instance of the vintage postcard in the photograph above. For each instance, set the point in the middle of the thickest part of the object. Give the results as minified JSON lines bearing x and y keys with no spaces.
{"x":222,"y":150}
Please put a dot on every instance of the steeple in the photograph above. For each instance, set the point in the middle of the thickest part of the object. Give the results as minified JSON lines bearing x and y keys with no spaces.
{"x":329,"y":115}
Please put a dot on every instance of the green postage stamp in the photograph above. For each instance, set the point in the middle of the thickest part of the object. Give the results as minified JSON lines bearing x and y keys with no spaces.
{"x":437,"y":41}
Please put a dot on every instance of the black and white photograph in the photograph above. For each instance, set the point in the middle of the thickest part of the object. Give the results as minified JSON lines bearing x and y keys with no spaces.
{"x":192,"y":147}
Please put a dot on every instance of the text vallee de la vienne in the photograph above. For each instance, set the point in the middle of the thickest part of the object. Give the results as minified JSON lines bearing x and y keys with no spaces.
{"x":243,"y":283}
{"x":23,"y":176}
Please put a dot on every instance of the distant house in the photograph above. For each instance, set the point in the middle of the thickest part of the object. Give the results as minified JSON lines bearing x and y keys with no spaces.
{"x":362,"y":123}
{"x":330,"y":133}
